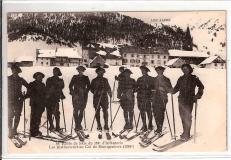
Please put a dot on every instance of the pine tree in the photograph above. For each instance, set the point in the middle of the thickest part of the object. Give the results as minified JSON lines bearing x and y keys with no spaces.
{"x":188,"y":41}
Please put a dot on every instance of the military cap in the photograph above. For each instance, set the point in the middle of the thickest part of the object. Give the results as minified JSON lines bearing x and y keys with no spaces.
{"x":127,"y":71}
{"x":100,"y":69}
{"x":16,"y":67}
{"x":121,"y":68}
{"x":144,"y":68}
{"x":59,"y":72}
{"x":37,"y":74}
{"x":81,"y":68}
{"x":160,"y":68}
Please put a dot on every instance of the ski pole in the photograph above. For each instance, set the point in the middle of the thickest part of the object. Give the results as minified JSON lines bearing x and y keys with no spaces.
{"x":111,"y":112}
{"x":113,"y":90}
{"x":24,"y":116}
{"x":72,"y":121}
{"x":96,"y":110}
{"x":137,"y":122}
{"x":195,"y":120}
{"x":173,"y":117}
{"x":134,"y":117}
{"x":64,"y":116}
{"x":84,"y":118}
{"x":115,"y":116}
{"x":169,"y":123}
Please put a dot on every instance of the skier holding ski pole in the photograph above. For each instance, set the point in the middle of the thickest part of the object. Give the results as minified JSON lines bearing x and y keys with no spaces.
{"x":160,"y":98}
{"x":101,"y":89}
{"x":186,"y":85}
{"x":145,"y":84}
{"x":126,"y":91}
{"x":79,"y":88}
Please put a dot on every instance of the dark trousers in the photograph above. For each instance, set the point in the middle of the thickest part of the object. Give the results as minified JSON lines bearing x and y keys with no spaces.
{"x":144,"y":106}
{"x":36,"y":114}
{"x":127,"y":105}
{"x":98,"y":104}
{"x":53,"y":109}
{"x":14,"y":113}
{"x":79,"y":104}
{"x":159,"y":107}
{"x":186,"y":117}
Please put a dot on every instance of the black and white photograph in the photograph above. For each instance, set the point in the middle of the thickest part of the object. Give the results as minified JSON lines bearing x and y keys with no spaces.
{"x":116,"y":82}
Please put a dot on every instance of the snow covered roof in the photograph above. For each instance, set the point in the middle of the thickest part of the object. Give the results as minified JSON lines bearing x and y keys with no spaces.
{"x":103,"y":53}
{"x":108,"y":45}
{"x":60,"y":52}
{"x":44,"y":53}
{"x":180,"y":53}
{"x":171,"y":62}
{"x":210,"y":60}
{"x":116,"y":53}
{"x":68,"y":52}
{"x":24,"y":58}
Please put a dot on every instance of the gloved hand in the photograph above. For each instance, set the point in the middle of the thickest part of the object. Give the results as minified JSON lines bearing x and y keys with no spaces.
{"x":116,"y":77}
{"x":195,"y":98}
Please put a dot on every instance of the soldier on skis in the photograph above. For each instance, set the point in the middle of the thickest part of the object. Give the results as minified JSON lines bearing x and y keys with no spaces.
{"x":186,"y":85}
{"x":119,"y":78}
{"x":145,"y":85}
{"x":101,"y":89}
{"x":162,"y":87}
{"x":126,"y":89}
{"x":37,"y":95}
{"x":15,"y":99}
{"x":79,"y":88}
{"x":54,"y":87}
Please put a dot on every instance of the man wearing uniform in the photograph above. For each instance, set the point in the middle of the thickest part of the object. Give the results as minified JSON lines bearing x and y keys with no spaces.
{"x":186,"y":85}
{"x":79,"y":88}
{"x":127,"y":88}
{"x":119,"y":78}
{"x":15,"y":99}
{"x":54,"y":86}
{"x":101,"y":89}
{"x":162,"y":87}
{"x":37,"y":94}
{"x":145,"y":85}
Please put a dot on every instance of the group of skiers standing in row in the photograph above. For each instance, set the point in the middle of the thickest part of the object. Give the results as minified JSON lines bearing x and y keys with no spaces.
{"x":151,"y":97}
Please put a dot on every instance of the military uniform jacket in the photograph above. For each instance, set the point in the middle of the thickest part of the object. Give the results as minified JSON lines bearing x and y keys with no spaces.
{"x":37,"y":93}
{"x":79,"y":85}
{"x":127,"y":88}
{"x":99,"y":86}
{"x":15,"y":84}
{"x":186,"y":86}
{"x":54,"y":86}
{"x":162,"y":86}
{"x":145,"y":85}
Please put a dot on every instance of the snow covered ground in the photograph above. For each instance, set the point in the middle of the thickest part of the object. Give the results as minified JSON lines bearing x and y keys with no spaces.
{"x":211,"y":124}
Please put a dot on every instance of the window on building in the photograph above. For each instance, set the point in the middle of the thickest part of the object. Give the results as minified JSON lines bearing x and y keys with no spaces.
{"x":158,"y":56}
{"x":153,"y":56}
{"x":137,"y":61}
{"x":125,"y":60}
{"x":132,"y":55}
{"x":132,"y":61}
{"x":85,"y":60}
{"x":222,"y":64}
{"x":215,"y":64}
{"x":47,"y":63}
{"x":41,"y":63}
{"x":144,"y":56}
{"x":164,"y":62}
{"x":164,"y":57}
{"x":152,"y":61}
{"x":125,"y":55}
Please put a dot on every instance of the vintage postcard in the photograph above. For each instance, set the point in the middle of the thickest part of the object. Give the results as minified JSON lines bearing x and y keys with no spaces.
{"x":116,"y":82}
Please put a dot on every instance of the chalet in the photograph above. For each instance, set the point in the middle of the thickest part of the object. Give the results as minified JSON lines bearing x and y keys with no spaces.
{"x":62,"y":57}
{"x":191,"y":57}
{"x":114,"y":58}
{"x":98,"y":61}
{"x":23,"y":61}
{"x":175,"y":63}
{"x":213,"y":62}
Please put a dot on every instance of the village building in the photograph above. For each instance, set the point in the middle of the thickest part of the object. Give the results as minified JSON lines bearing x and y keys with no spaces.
{"x":175,"y":63}
{"x":213,"y":62}
{"x":98,"y":61}
{"x":191,"y":57}
{"x":23,"y":61}
{"x":62,"y":57}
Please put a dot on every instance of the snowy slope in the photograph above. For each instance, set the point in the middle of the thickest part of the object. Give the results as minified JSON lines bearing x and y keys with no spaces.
{"x":211,"y":114}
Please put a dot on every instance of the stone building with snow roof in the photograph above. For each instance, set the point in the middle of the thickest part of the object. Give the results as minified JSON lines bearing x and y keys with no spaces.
{"x":23,"y":61}
{"x":175,"y":63}
{"x":62,"y":57}
{"x":213,"y":62}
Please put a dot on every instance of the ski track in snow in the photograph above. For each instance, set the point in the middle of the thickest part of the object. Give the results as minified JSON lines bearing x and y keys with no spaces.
{"x":211,"y":113}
